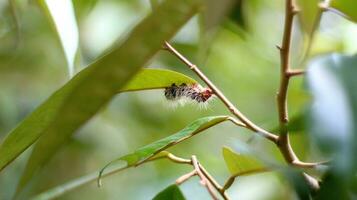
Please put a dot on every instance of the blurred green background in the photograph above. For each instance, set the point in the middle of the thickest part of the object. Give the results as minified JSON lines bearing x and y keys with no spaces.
{"x":239,"y":56}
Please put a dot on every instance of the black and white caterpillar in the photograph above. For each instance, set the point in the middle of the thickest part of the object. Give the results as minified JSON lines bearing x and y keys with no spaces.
{"x":188,"y":92}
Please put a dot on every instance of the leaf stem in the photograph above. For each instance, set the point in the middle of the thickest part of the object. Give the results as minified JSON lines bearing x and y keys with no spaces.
{"x":232,"y":178}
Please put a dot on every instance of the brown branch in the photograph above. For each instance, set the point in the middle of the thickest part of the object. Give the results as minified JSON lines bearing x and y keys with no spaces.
{"x":185,"y":177}
{"x":250,"y":125}
{"x":204,"y":181}
{"x":283,"y":142}
{"x":214,"y":183}
{"x":285,"y":75}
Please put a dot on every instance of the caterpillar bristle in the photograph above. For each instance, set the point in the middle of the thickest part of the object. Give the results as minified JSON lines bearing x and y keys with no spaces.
{"x":183,"y":93}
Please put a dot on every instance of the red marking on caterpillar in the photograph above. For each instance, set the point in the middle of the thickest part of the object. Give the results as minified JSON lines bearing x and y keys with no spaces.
{"x":188,"y":92}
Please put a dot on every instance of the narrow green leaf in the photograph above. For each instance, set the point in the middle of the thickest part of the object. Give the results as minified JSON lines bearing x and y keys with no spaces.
{"x":172,"y":192}
{"x":65,"y":111}
{"x":146,"y":152}
{"x":348,"y":8}
{"x":238,"y":163}
{"x":61,"y":15}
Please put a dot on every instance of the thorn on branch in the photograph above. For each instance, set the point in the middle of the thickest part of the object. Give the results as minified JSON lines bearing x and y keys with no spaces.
{"x":295,"y":11}
{"x":292,"y":73}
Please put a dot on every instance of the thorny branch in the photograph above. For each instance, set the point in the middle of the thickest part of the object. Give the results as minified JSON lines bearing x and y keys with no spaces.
{"x":285,"y":75}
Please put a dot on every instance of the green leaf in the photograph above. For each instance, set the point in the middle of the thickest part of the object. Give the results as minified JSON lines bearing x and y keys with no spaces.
{"x":172,"y":192}
{"x":154,"y":79}
{"x":309,"y":14}
{"x":143,"y":154}
{"x":333,"y":112}
{"x":347,"y":7}
{"x":65,"y":111}
{"x":238,"y":163}
{"x":62,"y":17}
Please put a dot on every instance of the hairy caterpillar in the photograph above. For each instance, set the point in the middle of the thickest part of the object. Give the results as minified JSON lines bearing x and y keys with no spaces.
{"x":188,"y":92}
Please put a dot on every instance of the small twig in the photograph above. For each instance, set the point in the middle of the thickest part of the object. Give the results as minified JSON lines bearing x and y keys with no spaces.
{"x":185,"y":177}
{"x":250,"y":125}
{"x":179,"y":160}
{"x":216,"y":185}
{"x":204,"y":181}
{"x":236,"y":122}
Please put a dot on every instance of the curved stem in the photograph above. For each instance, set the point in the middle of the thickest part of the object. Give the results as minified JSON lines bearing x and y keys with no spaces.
{"x":232,"y":178}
